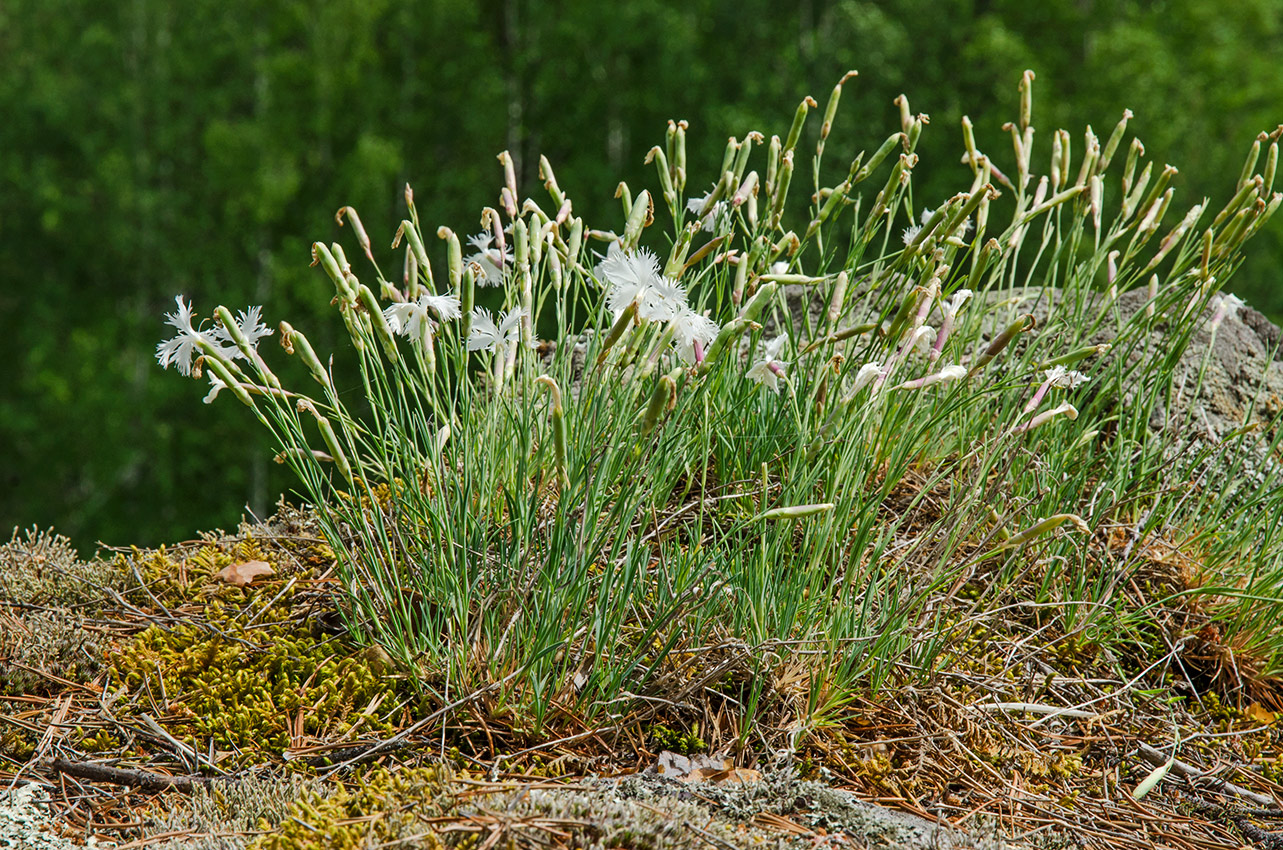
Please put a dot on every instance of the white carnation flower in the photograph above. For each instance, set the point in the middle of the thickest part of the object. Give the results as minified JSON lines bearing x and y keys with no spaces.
{"x":689,"y":329}
{"x":490,"y":261}
{"x":182,"y":349}
{"x":486,"y":334}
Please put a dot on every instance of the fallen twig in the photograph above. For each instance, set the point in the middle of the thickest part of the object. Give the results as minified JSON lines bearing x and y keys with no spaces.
{"x":1188,"y":771}
{"x":144,"y":779}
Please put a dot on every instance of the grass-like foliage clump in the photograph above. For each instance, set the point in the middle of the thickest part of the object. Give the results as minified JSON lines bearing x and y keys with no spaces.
{"x":780,"y":457}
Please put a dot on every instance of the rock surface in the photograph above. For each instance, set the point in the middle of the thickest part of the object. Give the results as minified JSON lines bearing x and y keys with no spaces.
{"x":1224,"y":380}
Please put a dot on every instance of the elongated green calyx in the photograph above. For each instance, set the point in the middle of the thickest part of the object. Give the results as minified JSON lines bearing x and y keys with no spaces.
{"x":760,"y":299}
{"x":251,"y":354}
{"x":679,"y":157}
{"x":830,"y":111}
{"x":781,"y":187}
{"x":375,"y":313}
{"x":410,"y":233}
{"x":660,"y":158}
{"x":550,"y":181}
{"x":322,"y":256}
{"x":617,"y":330}
{"x":641,"y":216}
{"x":908,"y":306}
{"x":1115,"y":139}
{"x":331,"y":440}
{"x":892,"y":142}
{"x":558,"y":416}
{"x":295,"y":343}
{"x":799,"y":120}
{"x":659,"y":400}
{"x":454,"y":259}
{"x":1076,"y":355}
{"x":1019,"y":326}
{"x":1042,"y":527}
{"x":357,"y":227}
{"x":225,"y":375}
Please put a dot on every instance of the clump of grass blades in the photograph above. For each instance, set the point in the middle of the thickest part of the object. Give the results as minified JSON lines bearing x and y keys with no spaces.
{"x":770,"y":465}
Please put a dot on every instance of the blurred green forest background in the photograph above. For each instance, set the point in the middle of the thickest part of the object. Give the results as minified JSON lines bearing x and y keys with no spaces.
{"x":150,"y":148}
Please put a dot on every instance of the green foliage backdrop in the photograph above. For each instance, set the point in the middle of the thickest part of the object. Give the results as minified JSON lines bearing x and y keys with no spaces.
{"x":150,"y":148}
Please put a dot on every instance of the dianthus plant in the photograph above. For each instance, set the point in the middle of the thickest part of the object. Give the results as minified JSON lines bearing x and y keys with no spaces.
{"x":603,"y":470}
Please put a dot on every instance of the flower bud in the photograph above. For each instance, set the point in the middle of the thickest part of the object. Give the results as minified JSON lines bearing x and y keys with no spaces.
{"x":411,"y":234}
{"x":550,"y":181}
{"x":972,"y":156}
{"x":664,"y":392}
{"x":1044,"y":526}
{"x":557,"y":415}
{"x":1020,"y":325}
{"x":357,"y":228}
{"x":321,"y":255}
{"x":1115,"y":139}
{"x":1026,"y":99}
{"x":1249,"y":165}
{"x":657,"y":155}
{"x":774,"y":154}
{"x":830,"y":111}
{"x":454,"y":259}
{"x":878,"y":156}
{"x":799,"y":119}
{"x":641,"y":216}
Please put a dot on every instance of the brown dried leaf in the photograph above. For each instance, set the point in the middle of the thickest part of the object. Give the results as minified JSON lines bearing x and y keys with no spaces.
{"x":243,"y":573}
{"x":1260,"y":714}
{"x":704,"y":768}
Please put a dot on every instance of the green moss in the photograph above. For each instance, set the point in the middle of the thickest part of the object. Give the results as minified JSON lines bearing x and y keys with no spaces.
{"x":243,"y":673}
{"x":247,"y":696}
{"x":685,"y":743}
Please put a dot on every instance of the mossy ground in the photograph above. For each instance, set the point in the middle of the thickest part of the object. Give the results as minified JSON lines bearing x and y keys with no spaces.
{"x":147,"y":660}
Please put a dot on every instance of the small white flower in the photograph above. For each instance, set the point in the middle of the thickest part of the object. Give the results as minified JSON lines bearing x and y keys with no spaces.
{"x":635,"y":277}
{"x":956,"y":301}
{"x":770,"y":368}
{"x":664,"y":300}
{"x":486,"y":335}
{"x":411,"y":318}
{"x":1066,"y":410}
{"x":1059,"y":376}
{"x":491,"y":261}
{"x":927,"y":212}
{"x":768,"y":374}
{"x":776,"y":347}
{"x":694,"y":205}
{"x":182,"y":349}
{"x":626,"y":274}
{"x":690,"y":328}
{"x":780,"y":267}
{"x":910,"y":233}
{"x":952,"y":372}
{"x":868,"y":372}
{"x":1227,"y":307}
{"x":216,"y":385}
{"x":923,"y":338}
